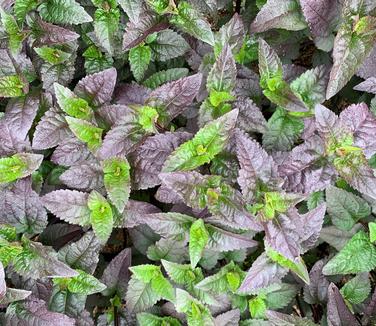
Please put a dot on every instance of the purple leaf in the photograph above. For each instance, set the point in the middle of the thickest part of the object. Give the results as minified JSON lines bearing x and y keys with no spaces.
{"x":21,"y":207}
{"x":20,"y":114}
{"x":10,"y":143}
{"x":317,"y":290}
{"x":148,"y":159}
{"x":51,"y":130}
{"x":113,"y":113}
{"x":68,"y":205}
{"x":3,"y":285}
{"x":358,"y":119}
{"x":262,"y":274}
{"x":368,"y":86}
{"x":85,"y":176}
{"x":229,"y":318}
{"x":97,"y":88}
{"x":255,"y":164}
{"x":368,"y":68}
{"x":175,"y":96}
{"x":126,"y":94}
{"x":70,"y":152}
{"x":250,"y":117}
{"x":116,"y":275}
{"x":337,"y":312}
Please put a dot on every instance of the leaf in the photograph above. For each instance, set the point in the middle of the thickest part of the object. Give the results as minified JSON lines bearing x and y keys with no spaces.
{"x":86,"y":132}
{"x":71,"y":104}
{"x":351,"y":46}
{"x":174,"y":97}
{"x":372,"y":231}
{"x":273,"y":14}
{"x":357,"y":256}
{"x":106,"y":26}
{"x":168,"y":45}
{"x":34,"y":310}
{"x":198,"y":238}
{"x":84,"y":283}
{"x":101,"y":216}
{"x":357,"y":289}
{"x":149,"y":158}
{"x":139,"y":59}
{"x":84,"y":176}
{"x":133,"y":8}
{"x":251,"y":118}
{"x":321,"y":17}
{"x":262,"y":274}
{"x":276,"y":319}
{"x":117,"y":181}
{"x":20,"y":114}
{"x":174,"y":249}
{"x":229,"y":318}
{"x":36,"y":261}
{"x":97,"y":88}
{"x":282,"y":131}
{"x":192,"y":22}
{"x":22,"y":7}
{"x":116,"y":275}
{"x":68,"y":205}
{"x":52,"y":55}
{"x":13,"y":31}
{"x":82,"y":254}
{"x":205,"y":145}
{"x":257,"y":307}
{"x":369,"y":86}
{"x":255,"y":165}
{"x":336,"y":237}
{"x":271,"y":80}
{"x":51,"y":130}
{"x":12,"y":86}
{"x":18,"y":166}
{"x":13,"y":295}
{"x":146,"y":319}
{"x":345,"y":208}
{"x":338,"y":313}
{"x":222,"y":76}
{"x":21,"y":207}
{"x":63,"y":12}
{"x":161,"y":77}
{"x":317,"y":290}
{"x":231,"y":33}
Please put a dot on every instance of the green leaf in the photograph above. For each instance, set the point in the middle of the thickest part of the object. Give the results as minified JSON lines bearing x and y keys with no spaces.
{"x":117,"y":181}
{"x":357,"y":289}
{"x":257,"y":307}
{"x":181,"y":274}
{"x":198,"y":238}
{"x":84,"y":283}
{"x":163,"y":287}
{"x":205,"y":145}
{"x":106,"y":26}
{"x":139,"y":59}
{"x":147,"y":117}
{"x":101,"y":217}
{"x":18,"y":166}
{"x":11,"y":86}
{"x":63,"y":12}
{"x":164,"y":76}
{"x":15,"y":34}
{"x":86,"y":132}
{"x":298,"y":266}
{"x":95,"y":60}
{"x":140,"y":296}
{"x":22,"y":7}
{"x":315,"y":199}
{"x":283,"y":130}
{"x":281,"y":296}
{"x":190,"y":21}
{"x":145,"y":273}
{"x":357,"y":256}
{"x":162,"y":6}
{"x":71,"y":104}
{"x":372,"y":231}
{"x":345,"y":208}
{"x":52,"y":55}
{"x":146,"y":319}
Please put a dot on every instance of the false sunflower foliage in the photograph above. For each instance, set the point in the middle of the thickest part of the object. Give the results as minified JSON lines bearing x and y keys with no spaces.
{"x":187,"y":162}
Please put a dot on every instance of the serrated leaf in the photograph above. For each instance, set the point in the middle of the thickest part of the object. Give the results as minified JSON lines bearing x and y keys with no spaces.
{"x":71,"y":104}
{"x":372,"y":231}
{"x":64,"y":12}
{"x":68,"y":205}
{"x":174,"y":250}
{"x":357,"y":289}
{"x":101,"y":216}
{"x":357,"y":256}
{"x":83,"y":176}
{"x":117,"y":181}
{"x":168,"y":45}
{"x":161,"y":77}
{"x":231,"y":33}
{"x":140,"y":295}
{"x":106,"y":26}
{"x":52,"y":55}
{"x":205,"y":145}
{"x":351,"y":46}
{"x":257,"y":307}
{"x":82,"y":254}
{"x":345,"y":208}
{"x":132,"y":8}
{"x":139,"y":59}
{"x":86,"y":132}
{"x":198,"y":238}
{"x":190,"y":21}
{"x":22,"y":8}
{"x":274,"y":14}
{"x":84,"y":283}
{"x":18,"y":166}
{"x":317,"y":290}
{"x":12,"y":86}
